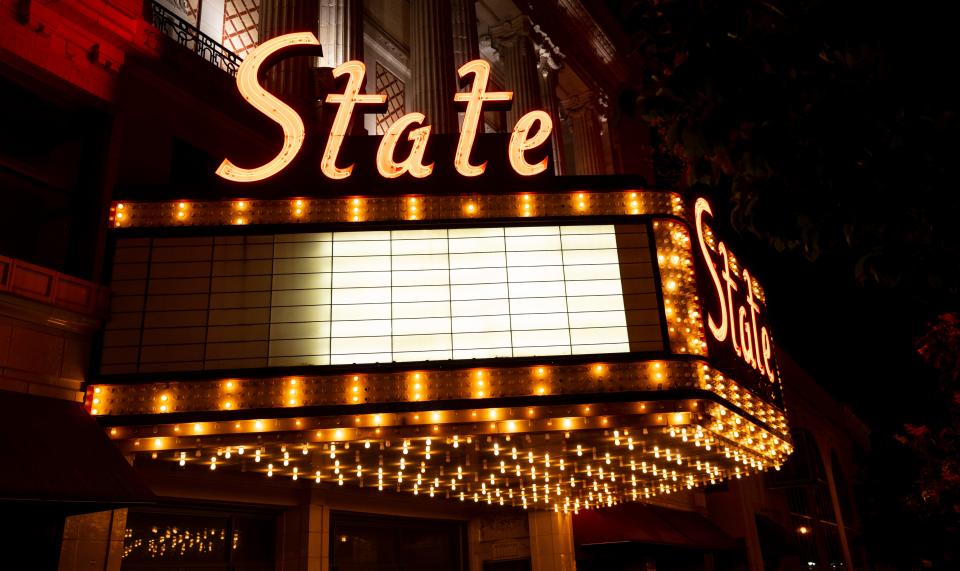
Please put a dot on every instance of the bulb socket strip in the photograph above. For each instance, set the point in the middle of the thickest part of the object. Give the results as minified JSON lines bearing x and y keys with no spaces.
{"x":426,"y":389}
{"x":678,"y":282}
{"x":239,"y":212}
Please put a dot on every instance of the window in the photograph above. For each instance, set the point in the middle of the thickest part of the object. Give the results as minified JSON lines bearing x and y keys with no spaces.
{"x":231,"y":23}
{"x":369,"y":543}
{"x":193,"y":538}
{"x":803,"y":479}
{"x":240,"y":21}
{"x":187,"y":10}
{"x":393,"y":87}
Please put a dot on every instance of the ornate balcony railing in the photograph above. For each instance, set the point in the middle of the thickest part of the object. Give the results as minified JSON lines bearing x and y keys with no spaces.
{"x":188,"y":36}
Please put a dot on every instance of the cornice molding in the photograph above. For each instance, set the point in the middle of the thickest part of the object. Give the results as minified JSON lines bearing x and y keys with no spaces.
{"x":379,"y":36}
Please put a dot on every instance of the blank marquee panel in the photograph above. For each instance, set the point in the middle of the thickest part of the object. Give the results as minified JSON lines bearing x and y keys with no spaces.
{"x":333,"y":298}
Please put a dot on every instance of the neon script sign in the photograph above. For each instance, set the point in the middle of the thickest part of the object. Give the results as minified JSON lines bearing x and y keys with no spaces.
{"x":524,"y":138}
{"x":738,"y":316}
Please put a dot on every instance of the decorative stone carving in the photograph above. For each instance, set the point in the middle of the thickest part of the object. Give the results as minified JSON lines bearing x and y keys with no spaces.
{"x":499,"y":528}
{"x":549,"y":65}
{"x":387,"y":42}
{"x":584,"y":113}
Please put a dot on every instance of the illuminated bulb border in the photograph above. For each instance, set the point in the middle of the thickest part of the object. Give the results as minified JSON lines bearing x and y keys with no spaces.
{"x":679,"y":285}
{"x":434,"y":386}
{"x":409,"y":208}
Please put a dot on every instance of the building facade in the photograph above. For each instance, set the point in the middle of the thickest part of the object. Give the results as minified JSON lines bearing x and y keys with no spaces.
{"x":500,"y":370}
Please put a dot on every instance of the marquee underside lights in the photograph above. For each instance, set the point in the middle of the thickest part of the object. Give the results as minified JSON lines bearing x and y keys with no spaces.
{"x":456,"y":430}
{"x":536,"y":457}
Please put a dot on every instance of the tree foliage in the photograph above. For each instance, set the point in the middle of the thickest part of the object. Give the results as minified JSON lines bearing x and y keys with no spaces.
{"x":830,"y":129}
{"x":937,"y":443}
{"x":830,"y":125}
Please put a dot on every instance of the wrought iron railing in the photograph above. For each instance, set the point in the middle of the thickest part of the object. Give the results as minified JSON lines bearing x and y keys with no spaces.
{"x":190,"y":37}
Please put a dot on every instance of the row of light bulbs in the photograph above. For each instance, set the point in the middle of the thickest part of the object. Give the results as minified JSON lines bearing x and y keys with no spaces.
{"x":706,"y":447}
{"x":681,"y":303}
{"x":422,"y":386}
{"x":397,"y":208}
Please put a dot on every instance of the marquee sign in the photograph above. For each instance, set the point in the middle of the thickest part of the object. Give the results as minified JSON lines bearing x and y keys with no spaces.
{"x":555,"y":343}
{"x":739,"y":339}
{"x":384,"y":296}
{"x":560,"y":350}
{"x":530,"y":132}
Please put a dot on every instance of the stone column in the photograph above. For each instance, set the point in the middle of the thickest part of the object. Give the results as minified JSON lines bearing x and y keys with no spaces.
{"x":466,"y":41}
{"x":587,"y":141}
{"x":304,"y":534}
{"x":211,"y":19}
{"x":636,"y":150}
{"x":340,"y":31}
{"x":551,"y":541}
{"x":837,"y":510}
{"x":518,"y":53}
{"x":292,"y":79}
{"x":747,"y":492}
{"x":549,"y":69}
{"x":432,"y":69}
{"x":93,"y":542}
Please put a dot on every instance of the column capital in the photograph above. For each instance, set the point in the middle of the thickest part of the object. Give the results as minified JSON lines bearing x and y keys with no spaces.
{"x":488,"y":50}
{"x":585,"y":113}
{"x":596,"y":101}
{"x":509,"y":31}
{"x":579,"y":103}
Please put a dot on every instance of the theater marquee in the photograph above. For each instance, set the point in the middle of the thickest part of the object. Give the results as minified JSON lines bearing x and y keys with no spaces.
{"x":544,"y":350}
{"x":564,"y":345}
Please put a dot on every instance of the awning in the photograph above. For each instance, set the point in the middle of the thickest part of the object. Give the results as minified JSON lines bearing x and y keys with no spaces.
{"x":53,"y":451}
{"x":641,"y":523}
{"x":775,"y":539}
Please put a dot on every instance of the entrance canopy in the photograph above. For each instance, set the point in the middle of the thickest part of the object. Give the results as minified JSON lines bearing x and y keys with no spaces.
{"x":55,"y":452}
{"x":640,"y":523}
{"x":564,"y":349}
